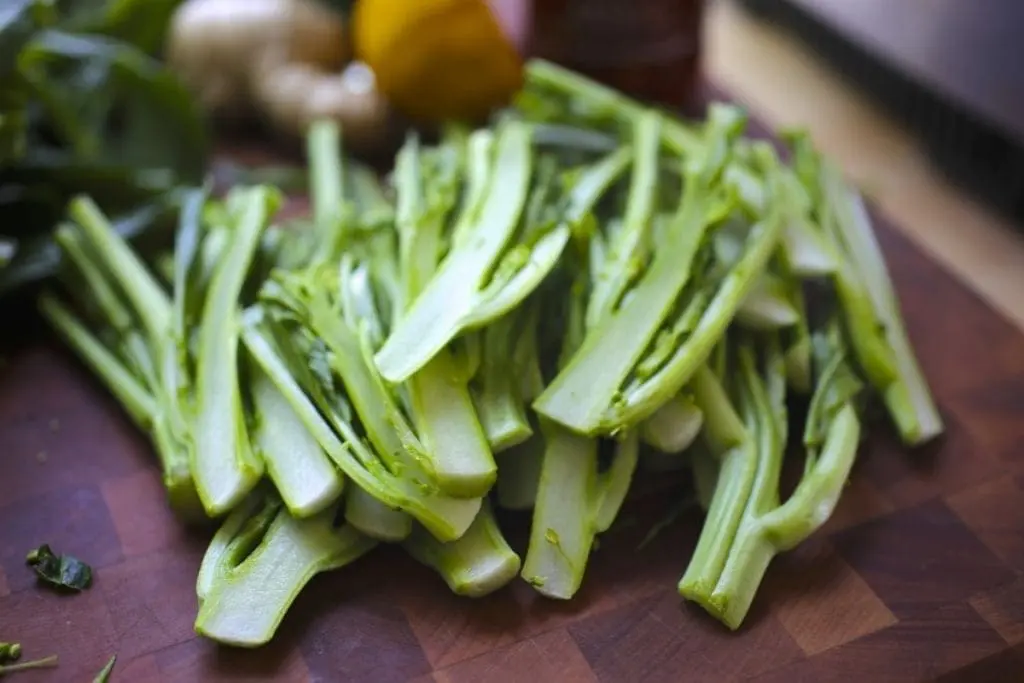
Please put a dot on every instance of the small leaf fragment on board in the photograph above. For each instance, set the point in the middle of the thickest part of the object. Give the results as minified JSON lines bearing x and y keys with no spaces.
{"x":9,"y":652}
{"x":60,"y":571}
{"x":44,"y":663}
{"x":104,"y":675}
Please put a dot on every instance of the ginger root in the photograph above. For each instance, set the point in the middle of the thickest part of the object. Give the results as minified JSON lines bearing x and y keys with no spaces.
{"x":285,"y":58}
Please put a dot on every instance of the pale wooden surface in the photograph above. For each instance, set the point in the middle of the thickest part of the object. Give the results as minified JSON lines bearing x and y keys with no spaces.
{"x":782,"y":83}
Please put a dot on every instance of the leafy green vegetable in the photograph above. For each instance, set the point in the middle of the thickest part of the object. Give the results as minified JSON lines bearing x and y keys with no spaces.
{"x":60,"y":571}
{"x":86,"y":109}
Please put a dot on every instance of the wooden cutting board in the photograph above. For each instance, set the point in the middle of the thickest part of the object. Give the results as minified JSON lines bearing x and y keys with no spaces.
{"x":918,"y":577}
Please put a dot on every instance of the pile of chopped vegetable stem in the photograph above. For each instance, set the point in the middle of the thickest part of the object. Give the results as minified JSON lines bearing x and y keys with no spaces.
{"x":519,"y":316}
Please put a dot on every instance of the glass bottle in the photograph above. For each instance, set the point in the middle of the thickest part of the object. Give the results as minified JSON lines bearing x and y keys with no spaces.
{"x":647,"y":48}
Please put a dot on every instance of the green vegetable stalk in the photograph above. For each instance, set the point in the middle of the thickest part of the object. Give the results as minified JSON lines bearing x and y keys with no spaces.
{"x":117,"y":289}
{"x":574,"y":501}
{"x":746,"y":526}
{"x":455,"y":444}
{"x":871,"y":310}
{"x":104,"y":675}
{"x":224,"y":464}
{"x":403,"y":488}
{"x":593,"y":394}
{"x":303,"y":474}
{"x":258,"y":564}
{"x":478,"y":563}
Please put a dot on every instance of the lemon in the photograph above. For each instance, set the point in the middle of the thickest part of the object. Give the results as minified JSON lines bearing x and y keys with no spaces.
{"x":437,"y":60}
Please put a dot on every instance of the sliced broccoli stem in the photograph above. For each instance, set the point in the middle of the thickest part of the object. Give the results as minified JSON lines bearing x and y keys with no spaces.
{"x":136,"y":400}
{"x":475,"y":565}
{"x":460,"y":456}
{"x":785,"y":527}
{"x":638,"y":403}
{"x":374,"y":518}
{"x":705,"y":467}
{"x":391,"y":437}
{"x":539,"y":72}
{"x":768,"y":306}
{"x":631,"y":241}
{"x":239,"y":533}
{"x":613,"y":484}
{"x":723,"y":428}
{"x":437,"y":315}
{"x":562,"y":531}
{"x":439,"y":399}
{"x":223,"y":462}
{"x":149,"y":300}
{"x":498,"y":400}
{"x":746,"y":526}
{"x":908,"y":397}
{"x":582,"y":393}
{"x":98,"y":291}
{"x":302,"y":473}
{"x":323,"y":147}
{"x":674,"y":426}
{"x":519,"y":474}
{"x":447,"y":518}
{"x":245,"y":604}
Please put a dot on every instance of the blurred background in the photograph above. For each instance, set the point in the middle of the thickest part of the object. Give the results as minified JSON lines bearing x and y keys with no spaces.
{"x":921,"y":102}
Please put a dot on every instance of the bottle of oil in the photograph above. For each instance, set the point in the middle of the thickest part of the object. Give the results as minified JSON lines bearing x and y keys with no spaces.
{"x":647,"y":48}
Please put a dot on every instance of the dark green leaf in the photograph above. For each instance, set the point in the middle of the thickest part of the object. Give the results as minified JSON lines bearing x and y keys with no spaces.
{"x":125,"y":106}
{"x":143,"y":23}
{"x":60,"y":571}
{"x":38,"y":256}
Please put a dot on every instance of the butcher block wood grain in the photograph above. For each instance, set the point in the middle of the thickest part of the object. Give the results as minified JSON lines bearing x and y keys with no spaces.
{"x":918,"y":577}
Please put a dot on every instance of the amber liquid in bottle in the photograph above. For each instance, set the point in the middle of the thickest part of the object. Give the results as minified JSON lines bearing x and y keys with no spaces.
{"x":647,"y":48}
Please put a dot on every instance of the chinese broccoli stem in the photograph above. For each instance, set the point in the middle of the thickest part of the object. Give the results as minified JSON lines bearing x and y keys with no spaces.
{"x":478,"y":563}
{"x":746,"y":526}
{"x":583,"y":393}
{"x":224,"y":464}
{"x":601,"y":98}
{"x":439,"y":313}
{"x":519,"y":474}
{"x":302,"y":473}
{"x":562,"y":531}
{"x":908,"y":396}
{"x":246,"y":602}
{"x":674,"y":426}
{"x":374,"y":518}
{"x":498,"y":399}
{"x":446,"y":518}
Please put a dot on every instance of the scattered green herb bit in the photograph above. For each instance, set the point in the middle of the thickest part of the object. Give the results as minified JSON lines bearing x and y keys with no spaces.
{"x":10,"y":652}
{"x":104,"y":675}
{"x":61,"y":571}
{"x":44,"y":663}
